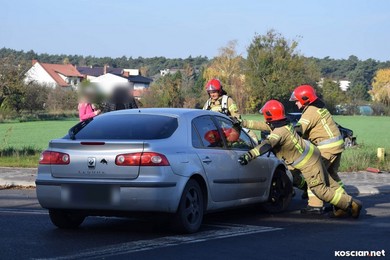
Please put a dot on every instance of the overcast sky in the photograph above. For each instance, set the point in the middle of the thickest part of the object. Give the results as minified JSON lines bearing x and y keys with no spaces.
{"x":179,"y":28}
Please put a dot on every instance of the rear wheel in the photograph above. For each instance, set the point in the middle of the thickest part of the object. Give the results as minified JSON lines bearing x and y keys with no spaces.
{"x":280,"y":193}
{"x":63,"y":219}
{"x":189,"y":216}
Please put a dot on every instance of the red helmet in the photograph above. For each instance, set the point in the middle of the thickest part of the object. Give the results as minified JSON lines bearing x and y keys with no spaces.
{"x":213,"y":85}
{"x":231,"y":134}
{"x":212,"y":136}
{"x":273,"y":110}
{"x":305,"y":94}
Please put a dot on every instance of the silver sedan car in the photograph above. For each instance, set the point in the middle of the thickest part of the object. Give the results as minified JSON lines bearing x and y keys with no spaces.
{"x":178,"y":161}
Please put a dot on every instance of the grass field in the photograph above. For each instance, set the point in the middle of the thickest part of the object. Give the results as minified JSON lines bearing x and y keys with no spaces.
{"x":32,"y":134}
{"x":371,"y":132}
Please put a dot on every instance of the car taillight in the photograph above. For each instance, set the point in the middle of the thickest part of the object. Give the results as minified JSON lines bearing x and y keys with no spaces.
{"x":50,"y":157}
{"x":141,"y":159}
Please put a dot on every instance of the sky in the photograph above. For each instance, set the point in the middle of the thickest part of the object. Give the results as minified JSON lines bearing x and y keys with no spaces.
{"x":180,"y":28}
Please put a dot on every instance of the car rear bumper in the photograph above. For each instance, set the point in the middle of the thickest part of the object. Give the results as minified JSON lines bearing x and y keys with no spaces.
{"x":117,"y":195}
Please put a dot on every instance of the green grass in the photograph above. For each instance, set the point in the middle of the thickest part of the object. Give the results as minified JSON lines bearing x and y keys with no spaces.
{"x":32,"y":134}
{"x":17,"y":140}
{"x":29,"y":161}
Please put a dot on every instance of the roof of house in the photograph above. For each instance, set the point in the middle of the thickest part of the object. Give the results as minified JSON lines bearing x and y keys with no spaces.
{"x":98,"y":71}
{"x":67,"y":70}
{"x":139,"y":79}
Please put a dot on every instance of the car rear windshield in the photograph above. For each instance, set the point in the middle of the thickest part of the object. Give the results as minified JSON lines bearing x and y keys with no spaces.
{"x":129,"y":127}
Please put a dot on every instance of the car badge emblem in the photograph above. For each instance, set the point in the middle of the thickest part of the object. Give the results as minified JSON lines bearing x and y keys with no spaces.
{"x":104,"y":161}
{"x":91,"y":162}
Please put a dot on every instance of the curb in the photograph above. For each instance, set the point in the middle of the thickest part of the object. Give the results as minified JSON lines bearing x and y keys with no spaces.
{"x":356,"y":183}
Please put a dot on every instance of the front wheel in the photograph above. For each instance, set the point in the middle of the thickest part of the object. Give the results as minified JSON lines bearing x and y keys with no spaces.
{"x":280,"y":193}
{"x":66,"y":220}
{"x":189,"y":216}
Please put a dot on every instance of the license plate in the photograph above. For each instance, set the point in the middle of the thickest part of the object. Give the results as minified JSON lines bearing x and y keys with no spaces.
{"x":88,"y":194}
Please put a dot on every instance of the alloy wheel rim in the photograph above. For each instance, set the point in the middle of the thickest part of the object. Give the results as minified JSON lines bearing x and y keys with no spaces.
{"x":192,"y":209}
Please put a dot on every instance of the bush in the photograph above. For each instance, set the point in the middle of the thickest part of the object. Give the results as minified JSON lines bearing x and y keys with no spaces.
{"x":23,"y":151}
{"x":60,"y":99}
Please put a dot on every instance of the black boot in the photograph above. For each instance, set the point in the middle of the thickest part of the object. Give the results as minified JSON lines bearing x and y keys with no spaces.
{"x":304,"y":196}
{"x":309,"y":210}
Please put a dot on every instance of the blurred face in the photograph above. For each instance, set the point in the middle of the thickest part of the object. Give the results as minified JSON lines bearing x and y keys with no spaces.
{"x":214,"y":94}
{"x":298,"y":104}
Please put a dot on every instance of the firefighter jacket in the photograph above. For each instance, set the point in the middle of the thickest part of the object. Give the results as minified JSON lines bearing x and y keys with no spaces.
{"x":256,"y":125}
{"x":287,"y":145}
{"x":318,"y":126}
{"x":224,"y":104}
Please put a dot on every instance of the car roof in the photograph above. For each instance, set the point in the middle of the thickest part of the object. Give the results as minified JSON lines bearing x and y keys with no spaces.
{"x":175,"y":112}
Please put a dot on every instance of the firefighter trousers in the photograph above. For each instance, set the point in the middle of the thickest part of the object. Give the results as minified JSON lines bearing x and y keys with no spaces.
{"x":325,"y":188}
{"x":332,"y":164}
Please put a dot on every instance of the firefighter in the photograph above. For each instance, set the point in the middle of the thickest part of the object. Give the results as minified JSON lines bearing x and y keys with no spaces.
{"x":302,"y":155}
{"x":298,"y":180}
{"x":219,"y":101}
{"x":317,"y":125}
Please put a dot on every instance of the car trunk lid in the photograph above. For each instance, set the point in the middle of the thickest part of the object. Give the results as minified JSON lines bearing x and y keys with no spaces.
{"x":95,"y":159}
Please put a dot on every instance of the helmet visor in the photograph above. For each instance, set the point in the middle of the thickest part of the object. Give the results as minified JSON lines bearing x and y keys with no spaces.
{"x":211,"y":88}
{"x":293,"y":97}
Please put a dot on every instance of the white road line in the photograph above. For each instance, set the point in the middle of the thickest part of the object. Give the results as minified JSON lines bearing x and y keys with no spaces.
{"x":224,"y":231}
{"x":23,"y":211}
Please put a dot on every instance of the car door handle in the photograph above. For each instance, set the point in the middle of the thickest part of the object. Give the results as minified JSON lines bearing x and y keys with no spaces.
{"x":207,"y":160}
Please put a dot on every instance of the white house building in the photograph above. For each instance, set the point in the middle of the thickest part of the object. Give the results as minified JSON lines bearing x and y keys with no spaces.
{"x":63,"y":75}
{"x":108,"y":82}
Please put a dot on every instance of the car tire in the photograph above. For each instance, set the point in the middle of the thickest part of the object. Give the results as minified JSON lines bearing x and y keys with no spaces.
{"x":280,"y":194}
{"x":189,"y":216}
{"x":66,"y":220}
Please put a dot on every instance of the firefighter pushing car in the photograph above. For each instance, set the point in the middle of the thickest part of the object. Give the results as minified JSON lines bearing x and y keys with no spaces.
{"x":302,"y":155}
{"x":317,"y":125}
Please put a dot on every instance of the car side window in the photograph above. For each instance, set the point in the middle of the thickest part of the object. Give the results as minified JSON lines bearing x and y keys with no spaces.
{"x":234,"y":139}
{"x":208,"y":132}
{"x":196,"y":141}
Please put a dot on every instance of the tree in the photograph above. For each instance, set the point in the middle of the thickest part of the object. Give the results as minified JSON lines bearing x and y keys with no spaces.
{"x":381,"y":87}
{"x":165,"y":92}
{"x":228,"y":68}
{"x":332,"y":95}
{"x":35,"y":97}
{"x":274,"y":68}
{"x":361,"y":79}
{"x":61,"y":99}
{"x":12,"y":88}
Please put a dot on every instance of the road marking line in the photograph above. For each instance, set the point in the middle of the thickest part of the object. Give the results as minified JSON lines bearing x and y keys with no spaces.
{"x":226,"y":231}
{"x":24,"y":211}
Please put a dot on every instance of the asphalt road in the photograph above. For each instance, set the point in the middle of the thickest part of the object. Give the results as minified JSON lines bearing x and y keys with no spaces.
{"x":247,"y":233}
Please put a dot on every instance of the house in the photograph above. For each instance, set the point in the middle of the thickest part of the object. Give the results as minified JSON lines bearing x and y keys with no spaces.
{"x":63,"y":75}
{"x":91,"y":73}
{"x":107,"y":82}
{"x":170,"y":71}
{"x":108,"y":78}
{"x":140,"y":82}
{"x":343,"y":84}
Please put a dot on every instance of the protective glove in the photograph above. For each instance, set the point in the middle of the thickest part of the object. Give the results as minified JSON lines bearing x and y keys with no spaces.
{"x":245,"y":159}
{"x":236,"y":122}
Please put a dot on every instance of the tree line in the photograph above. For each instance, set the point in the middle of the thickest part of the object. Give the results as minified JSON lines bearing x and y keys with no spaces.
{"x":149,"y":66}
{"x":271,"y":69}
